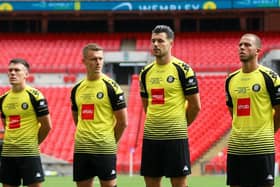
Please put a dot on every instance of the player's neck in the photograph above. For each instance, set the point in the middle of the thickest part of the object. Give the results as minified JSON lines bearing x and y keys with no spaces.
{"x":94,"y":76}
{"x":248,"y":67}
{"x":18,"y":87}
{"x":163,"y":60}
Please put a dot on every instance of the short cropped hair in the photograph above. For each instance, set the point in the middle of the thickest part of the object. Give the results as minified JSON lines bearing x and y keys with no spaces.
{"x":20,"y":61}
{"x":91,"y":47}
{"x":164,"y":28}
{"x":258,"y":42}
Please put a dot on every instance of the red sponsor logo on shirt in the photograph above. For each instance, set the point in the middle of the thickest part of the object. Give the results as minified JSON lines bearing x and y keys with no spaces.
{"x":14,"y":122}
{"x":243,"y":107}
{"x":157,"y":96}
{"x":87,"y":111}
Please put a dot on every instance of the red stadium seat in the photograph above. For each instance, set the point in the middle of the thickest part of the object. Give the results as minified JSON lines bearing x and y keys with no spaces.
{"x":30,"y":78}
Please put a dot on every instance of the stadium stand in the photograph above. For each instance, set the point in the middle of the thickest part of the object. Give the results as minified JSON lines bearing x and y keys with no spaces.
{"x":128,"y":142}
{"x":60,"y":141}
{"x":53,"y":53}
{"x":61,"y":53}
{"x":213,"y":122}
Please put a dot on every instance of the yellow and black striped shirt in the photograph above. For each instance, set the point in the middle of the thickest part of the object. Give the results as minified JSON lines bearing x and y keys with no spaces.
{"x":95,"y":102}
{"x":20,"y":110}
{"x":252,"y":97}
{"x":165,"y":87}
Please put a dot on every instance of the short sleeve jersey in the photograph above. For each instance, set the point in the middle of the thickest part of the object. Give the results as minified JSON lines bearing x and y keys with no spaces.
{"x":20,"y":110}
{"x":252,"y":97}
{"x":95,"y":101}
{"x":165,"y":87}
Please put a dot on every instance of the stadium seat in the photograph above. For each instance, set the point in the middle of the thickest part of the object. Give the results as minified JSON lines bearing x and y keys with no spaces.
{"x":30,"y":78}
{"x":69,"y":78}
{"x":217,"y":165}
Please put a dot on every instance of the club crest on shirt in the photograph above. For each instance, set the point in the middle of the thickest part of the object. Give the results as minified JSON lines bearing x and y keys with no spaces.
{"x":99,"y":95}
{"x":256,"y":87}
{"x":170,"y":79}
{"x":24,"y":106}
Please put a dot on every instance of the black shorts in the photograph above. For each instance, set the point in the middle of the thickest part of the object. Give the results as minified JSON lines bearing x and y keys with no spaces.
{"x":86,"y":166}
{"x":15,"y":169}
{"x":250,"y":170}
{"x":170,"y":158}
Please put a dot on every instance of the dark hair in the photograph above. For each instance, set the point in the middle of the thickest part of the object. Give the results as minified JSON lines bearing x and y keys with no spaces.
{"x":164,"y":28}
{"x":20,"y":61}
{"x":91,"y":46}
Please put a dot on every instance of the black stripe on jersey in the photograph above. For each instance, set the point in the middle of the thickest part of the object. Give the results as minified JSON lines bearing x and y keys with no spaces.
{"x":143,"y":82}
{"x":40,"y":106}
{"x":275,"y":100}
{"x":228,"y":97}
{"x":183,"y":81}
{"x":1,"y":106}
{"x":189,"y":87}
{"x":277,"y":95}
{"x":74,"y":106}
{"x":117,"y":100}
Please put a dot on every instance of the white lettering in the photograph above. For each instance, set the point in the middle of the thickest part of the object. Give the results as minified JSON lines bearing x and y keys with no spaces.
{"x":243,"y":107}
{"x":163,"y":7}
{"x":87,"y":111}
{"x":157,"y":7}
{"x":192,"y":7}
{"x":14,"y":121}
{"x":158,"y":96}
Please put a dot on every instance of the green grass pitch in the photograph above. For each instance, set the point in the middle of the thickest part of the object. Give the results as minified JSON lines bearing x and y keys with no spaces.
{"x":138,"y":181}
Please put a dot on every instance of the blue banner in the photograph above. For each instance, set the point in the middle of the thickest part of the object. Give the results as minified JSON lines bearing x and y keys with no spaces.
{"x":187,"y":5}
{"x":37,"y":6}
{"x":157,"y":5}
{"x":255,"y":3}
